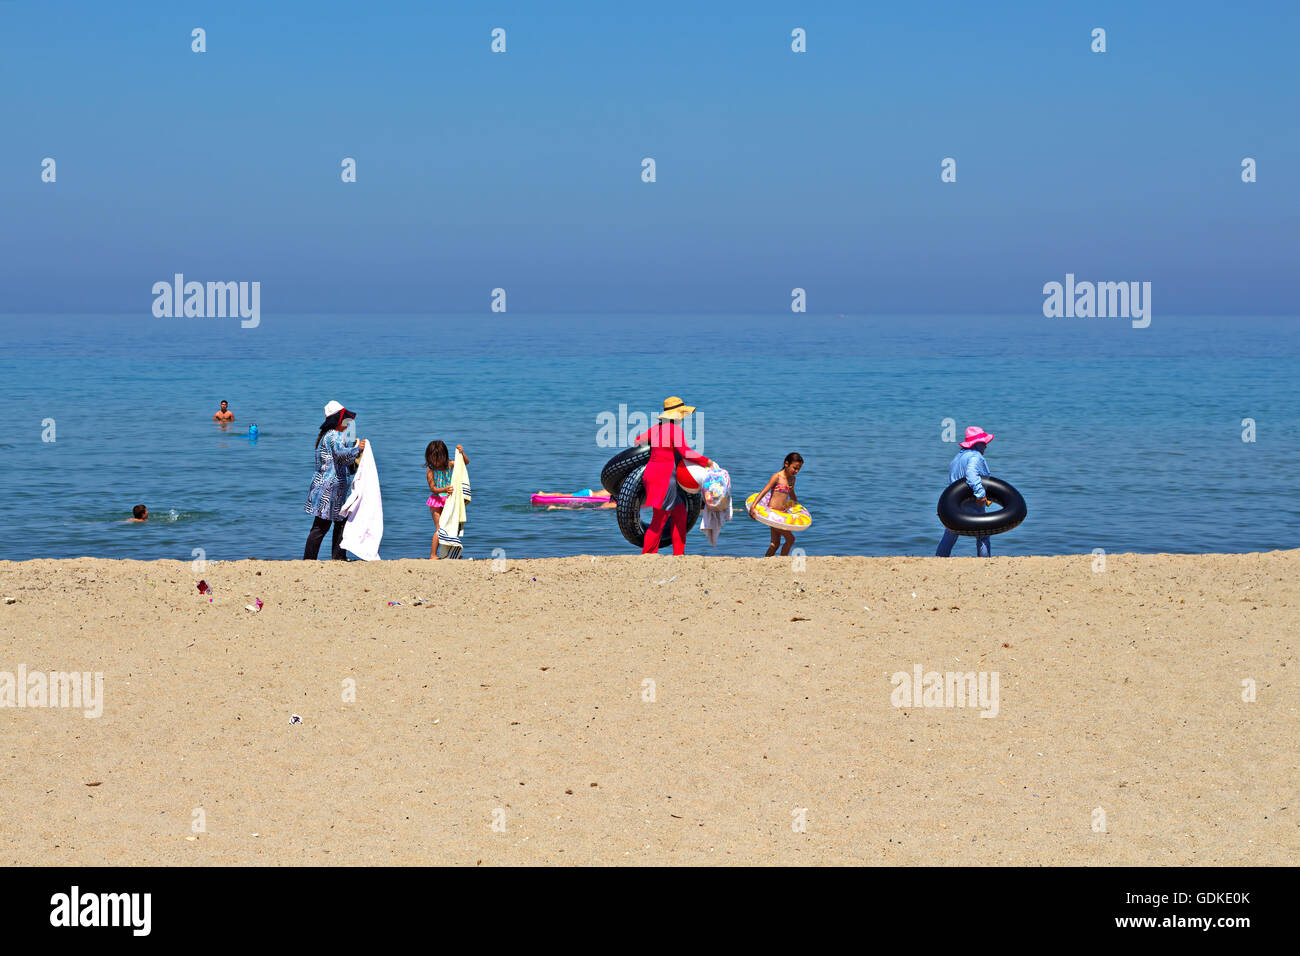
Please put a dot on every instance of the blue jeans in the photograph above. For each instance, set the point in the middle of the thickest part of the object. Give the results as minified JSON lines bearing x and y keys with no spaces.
{"x":982,"y":544}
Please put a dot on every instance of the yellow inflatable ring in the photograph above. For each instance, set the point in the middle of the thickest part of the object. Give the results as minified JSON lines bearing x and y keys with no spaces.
{"x":796,"y":519}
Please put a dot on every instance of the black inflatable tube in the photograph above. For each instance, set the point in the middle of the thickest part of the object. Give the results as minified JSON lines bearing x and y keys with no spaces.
{"x":631,"y":498}
{"x":621,"y":465}
{"x":1013,"y":511}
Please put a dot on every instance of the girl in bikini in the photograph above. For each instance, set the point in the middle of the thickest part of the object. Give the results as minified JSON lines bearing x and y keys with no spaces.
{"x":781,"y":486}
{"x":437,"y":473}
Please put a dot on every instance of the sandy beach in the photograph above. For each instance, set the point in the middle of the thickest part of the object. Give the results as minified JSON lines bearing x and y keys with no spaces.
{"x":635,"y":710}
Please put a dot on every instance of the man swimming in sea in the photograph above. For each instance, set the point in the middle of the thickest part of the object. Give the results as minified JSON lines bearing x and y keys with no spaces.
{"x":224,"y":414}
{"x":139,"y":513}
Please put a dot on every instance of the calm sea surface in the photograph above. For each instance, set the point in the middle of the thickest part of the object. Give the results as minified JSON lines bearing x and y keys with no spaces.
{"x":1119,"y":438}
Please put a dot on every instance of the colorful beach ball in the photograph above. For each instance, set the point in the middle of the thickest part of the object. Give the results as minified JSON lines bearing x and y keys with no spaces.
{"x":716,"y":487}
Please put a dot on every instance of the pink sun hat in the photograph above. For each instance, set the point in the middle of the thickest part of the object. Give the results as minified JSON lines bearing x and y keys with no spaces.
{"x":975,"y":435}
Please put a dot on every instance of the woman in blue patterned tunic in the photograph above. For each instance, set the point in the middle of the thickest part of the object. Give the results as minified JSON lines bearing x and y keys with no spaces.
{"x":330,"y":486}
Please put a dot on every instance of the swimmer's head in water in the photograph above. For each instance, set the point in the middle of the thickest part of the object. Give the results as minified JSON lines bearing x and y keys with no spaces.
{"x":140,"y":513}
{"x":793,"y":462}
{"x":224,"y":403}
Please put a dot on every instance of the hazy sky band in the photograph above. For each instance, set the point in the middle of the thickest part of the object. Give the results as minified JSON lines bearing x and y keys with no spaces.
{"x":774,"y":169}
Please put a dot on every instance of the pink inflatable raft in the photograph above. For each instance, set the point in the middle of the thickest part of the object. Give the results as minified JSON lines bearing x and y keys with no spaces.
{"x":578,"y":499}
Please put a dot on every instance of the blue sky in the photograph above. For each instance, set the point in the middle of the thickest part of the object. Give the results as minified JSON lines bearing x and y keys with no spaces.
{"x":775,"y":169}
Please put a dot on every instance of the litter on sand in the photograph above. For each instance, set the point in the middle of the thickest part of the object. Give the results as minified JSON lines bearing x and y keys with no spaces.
{"x":254,"y":607}
{"x":295,"y":719}
{"x":396,"y":604}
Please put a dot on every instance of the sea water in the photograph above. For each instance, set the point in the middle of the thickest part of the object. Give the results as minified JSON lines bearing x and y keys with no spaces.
{"x":1120,"y":439}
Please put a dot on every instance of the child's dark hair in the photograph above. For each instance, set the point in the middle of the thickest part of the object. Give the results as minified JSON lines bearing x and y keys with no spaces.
{"x":794,"y":456}
{"x":435,"y":456}
{"x":138,"y":511}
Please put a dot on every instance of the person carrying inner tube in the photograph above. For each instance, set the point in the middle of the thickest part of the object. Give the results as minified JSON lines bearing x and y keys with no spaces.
{"x":667,"y":444}
{"x":970,"y":464}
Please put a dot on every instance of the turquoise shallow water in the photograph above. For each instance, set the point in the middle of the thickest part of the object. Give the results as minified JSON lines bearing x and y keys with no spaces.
{"x":1122,"y":439}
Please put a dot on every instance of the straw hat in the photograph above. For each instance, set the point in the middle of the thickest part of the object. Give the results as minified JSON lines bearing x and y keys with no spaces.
{"x":675,"y":409}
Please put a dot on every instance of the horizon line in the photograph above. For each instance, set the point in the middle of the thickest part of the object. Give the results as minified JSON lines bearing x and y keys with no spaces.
{"x":640,"y":312}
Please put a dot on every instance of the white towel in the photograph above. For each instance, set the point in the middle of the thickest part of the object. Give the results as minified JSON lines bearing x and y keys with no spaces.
{"x":364,"y":509}
{"x":712,"y":520}
{"x":455,"y":511}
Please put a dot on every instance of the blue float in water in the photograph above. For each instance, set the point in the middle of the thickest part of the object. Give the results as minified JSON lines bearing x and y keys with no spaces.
{"x":252,"y":433}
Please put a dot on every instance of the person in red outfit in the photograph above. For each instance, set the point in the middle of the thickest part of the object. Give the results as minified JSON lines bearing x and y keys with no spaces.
{"x":667,"y":444}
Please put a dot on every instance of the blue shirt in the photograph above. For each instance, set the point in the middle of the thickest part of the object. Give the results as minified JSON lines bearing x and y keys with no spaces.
{"x":969,"y":464}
